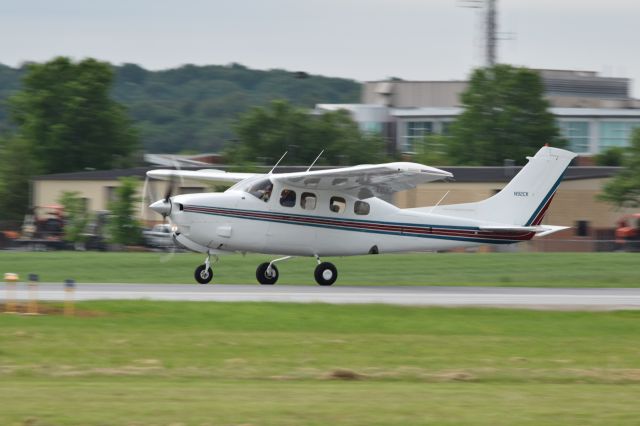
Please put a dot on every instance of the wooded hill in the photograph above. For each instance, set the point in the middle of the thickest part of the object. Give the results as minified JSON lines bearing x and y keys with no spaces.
{"x":194,"y":108}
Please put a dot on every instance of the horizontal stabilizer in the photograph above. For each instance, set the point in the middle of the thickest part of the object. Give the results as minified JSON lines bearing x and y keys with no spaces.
{"x":549,"y":229}
{"x":510,"y":228}
{"x":540,"y":230}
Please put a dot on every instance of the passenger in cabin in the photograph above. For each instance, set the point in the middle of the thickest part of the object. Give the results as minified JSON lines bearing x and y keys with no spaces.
{"x":287,"y":198}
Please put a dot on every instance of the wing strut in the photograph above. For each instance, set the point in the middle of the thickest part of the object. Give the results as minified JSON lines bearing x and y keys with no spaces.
{"x":274,"y":167}
{"x":438,"y":203}
{"x":314,"y":161}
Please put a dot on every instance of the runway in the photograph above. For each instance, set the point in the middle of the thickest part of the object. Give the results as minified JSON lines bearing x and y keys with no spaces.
{"x":529,"y":298}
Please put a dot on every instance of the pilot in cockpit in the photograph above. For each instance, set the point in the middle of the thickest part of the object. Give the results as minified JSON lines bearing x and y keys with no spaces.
{"x":262,"y":189}
{"x":266,"y":194}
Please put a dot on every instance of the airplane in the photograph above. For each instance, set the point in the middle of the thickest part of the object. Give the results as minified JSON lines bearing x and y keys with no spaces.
{"x":339,"y":212}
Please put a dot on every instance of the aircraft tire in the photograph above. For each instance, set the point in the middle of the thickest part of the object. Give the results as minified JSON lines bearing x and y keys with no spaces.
{"x":263,"y":278}
{"x":203,"y":276}
{"x":326,"y":273}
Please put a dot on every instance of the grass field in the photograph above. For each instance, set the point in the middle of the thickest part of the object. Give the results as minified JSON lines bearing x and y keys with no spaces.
{"x":162,"y":363}
{"x":499,"y":269}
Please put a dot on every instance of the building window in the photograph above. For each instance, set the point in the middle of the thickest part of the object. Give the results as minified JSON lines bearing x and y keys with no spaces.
{"x":416,"y":132}
{"x":287,"y":198}
{"x":446,"y":128}
{"x":582,"y":228}
{"x":577,"y":133}
{"x":337,"y":204}
{"x":371,"y":127}
{"x":616,"y":133}
{"x":110,"y":195}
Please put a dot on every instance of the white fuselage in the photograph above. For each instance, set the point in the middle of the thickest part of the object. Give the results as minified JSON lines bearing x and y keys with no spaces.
{"x":240,"y":221}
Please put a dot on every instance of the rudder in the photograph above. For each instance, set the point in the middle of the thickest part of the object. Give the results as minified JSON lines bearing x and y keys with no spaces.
{"x":525,"y":199}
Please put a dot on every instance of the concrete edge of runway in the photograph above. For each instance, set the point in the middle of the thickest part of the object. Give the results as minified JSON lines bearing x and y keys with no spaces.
{"x":539,"y":298}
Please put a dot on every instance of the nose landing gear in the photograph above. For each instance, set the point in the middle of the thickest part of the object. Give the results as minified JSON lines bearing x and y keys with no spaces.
{"x":204,"y":273}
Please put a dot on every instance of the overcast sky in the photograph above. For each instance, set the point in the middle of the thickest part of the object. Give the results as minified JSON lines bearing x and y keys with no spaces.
{"x":360,"y":39}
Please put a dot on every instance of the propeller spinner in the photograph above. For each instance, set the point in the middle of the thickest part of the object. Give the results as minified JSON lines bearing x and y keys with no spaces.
{"x":164,"y":206}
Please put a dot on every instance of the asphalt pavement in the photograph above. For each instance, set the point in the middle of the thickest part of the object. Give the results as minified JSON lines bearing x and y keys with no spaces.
{"x":529,"y":298}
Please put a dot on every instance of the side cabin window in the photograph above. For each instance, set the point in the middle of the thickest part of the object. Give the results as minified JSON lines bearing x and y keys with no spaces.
{"x":361,"y":208}
{"x":308,"y":201}
{"x":262,"y":189}
{"x":337,"y":204}
{"x":287,"y":198}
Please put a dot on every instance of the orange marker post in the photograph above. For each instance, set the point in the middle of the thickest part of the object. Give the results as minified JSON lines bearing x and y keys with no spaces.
{"x":10,"y":303}
{"x":69,"y":288}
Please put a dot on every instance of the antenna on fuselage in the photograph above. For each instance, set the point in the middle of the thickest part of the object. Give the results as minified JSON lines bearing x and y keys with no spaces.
{"x":438,"y":203}
{"x":274,"y":167}
{"x":314,"y":161}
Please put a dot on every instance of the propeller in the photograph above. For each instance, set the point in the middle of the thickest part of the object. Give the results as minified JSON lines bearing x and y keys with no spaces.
{"x":148,"y":193}
{"x":164,"y":206}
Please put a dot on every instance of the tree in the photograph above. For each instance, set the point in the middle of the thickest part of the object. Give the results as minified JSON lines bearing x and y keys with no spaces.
{"x":66,"y":115}
{"x":611,"y":157}
{"x":265,"y":133}
{"x":65,"y":121}
{"x":17,"y":166}
{"x":195,"y":107}
{"x":76,"y":215}
{"x":433,"y":150}
{"x":505,"y":116}
{"x":124,"y":228}
{"x":624,"y":189}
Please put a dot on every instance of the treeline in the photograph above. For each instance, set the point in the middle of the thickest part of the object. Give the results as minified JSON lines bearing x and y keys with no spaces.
{"x":194,"y":108}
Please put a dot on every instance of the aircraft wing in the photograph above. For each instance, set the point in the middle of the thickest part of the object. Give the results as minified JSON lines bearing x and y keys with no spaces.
{"x":205,"y":175}
{"x":365,"y":181}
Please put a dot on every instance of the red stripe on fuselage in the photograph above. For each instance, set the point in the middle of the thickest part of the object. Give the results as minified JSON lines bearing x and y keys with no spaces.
{"x":401,"y":229}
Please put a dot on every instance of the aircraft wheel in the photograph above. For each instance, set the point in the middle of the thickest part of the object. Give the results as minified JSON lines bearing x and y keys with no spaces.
{"x":263,"y":277}
{"x":203,"y":275}
{"x":326,"y":273}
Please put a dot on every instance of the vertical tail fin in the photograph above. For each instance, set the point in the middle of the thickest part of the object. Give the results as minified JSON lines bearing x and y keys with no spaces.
{"x":525,"y":199}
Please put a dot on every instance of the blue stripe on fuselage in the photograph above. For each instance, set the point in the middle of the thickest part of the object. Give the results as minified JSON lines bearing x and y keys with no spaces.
{"x":334,"y":224}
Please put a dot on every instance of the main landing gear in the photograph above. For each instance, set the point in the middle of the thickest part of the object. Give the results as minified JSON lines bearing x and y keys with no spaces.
{"x":267,"y":272}
{"x":325,"y":273}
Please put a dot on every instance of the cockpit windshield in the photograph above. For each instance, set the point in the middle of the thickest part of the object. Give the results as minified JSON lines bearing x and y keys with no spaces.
{"x":262,"y":189}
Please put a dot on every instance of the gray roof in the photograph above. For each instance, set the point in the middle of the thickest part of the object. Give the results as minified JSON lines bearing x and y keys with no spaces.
{"x":558,"y":112}
{"x":113,"y":174}
{"x":596,"y":112}
{"x":426,"y":112}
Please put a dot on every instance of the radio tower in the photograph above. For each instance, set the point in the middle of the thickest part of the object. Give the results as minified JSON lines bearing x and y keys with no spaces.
{"x":490,"y":27}
{"x":491,"y":33}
